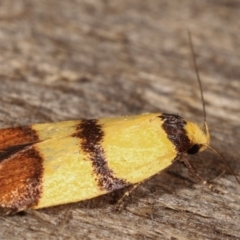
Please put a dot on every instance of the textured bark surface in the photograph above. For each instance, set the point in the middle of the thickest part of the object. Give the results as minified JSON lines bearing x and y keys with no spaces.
{"x":64,"y":60}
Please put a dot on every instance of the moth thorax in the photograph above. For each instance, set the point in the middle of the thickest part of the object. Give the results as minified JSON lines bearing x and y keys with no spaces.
{"x":186,"y":136}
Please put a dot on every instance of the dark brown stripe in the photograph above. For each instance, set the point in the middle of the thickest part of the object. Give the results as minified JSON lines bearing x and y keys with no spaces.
{"x":91,"y":135}
{"x":20,"y":180}
{"x":174,"y":127}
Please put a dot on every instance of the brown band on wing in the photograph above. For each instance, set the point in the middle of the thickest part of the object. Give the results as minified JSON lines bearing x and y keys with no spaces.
{"x":13,"y":140}
{"x":17,"y":136}
{"x":20,"y":180}
{"x":174,"y":127}
{"x":91,"y":135}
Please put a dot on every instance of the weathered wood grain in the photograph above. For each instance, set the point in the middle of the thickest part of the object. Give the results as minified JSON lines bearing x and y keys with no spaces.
{"x":65,"y":60}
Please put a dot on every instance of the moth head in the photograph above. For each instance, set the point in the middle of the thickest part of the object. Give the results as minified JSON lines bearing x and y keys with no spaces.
{"x":199,"y":138}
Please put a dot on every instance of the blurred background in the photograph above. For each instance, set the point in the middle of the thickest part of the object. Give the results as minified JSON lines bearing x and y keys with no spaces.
{"x":62,"y":60}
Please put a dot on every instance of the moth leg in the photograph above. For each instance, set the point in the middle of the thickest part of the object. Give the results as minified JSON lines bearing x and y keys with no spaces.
{"x":119,"y":204}
{"x":194,"y":172}
{"x":192,"y":169}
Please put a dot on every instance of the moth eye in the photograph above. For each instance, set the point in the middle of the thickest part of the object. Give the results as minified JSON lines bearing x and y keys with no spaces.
{"x":194,"y":149}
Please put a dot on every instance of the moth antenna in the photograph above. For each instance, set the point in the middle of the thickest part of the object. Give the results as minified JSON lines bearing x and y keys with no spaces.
{"x":224,"y":160}
{"x":205,"y":127}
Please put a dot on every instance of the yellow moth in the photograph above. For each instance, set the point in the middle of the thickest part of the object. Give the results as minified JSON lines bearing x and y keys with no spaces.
{"x":50,"y":164}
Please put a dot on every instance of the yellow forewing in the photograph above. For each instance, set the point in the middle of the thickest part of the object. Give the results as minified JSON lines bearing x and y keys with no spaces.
{"x":135,"y":148}
{"x":55,"y":130}
{"x":68,"y":175}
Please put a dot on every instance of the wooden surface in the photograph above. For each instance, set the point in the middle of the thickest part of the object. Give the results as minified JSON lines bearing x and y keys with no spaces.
{"x":64,"y":60}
